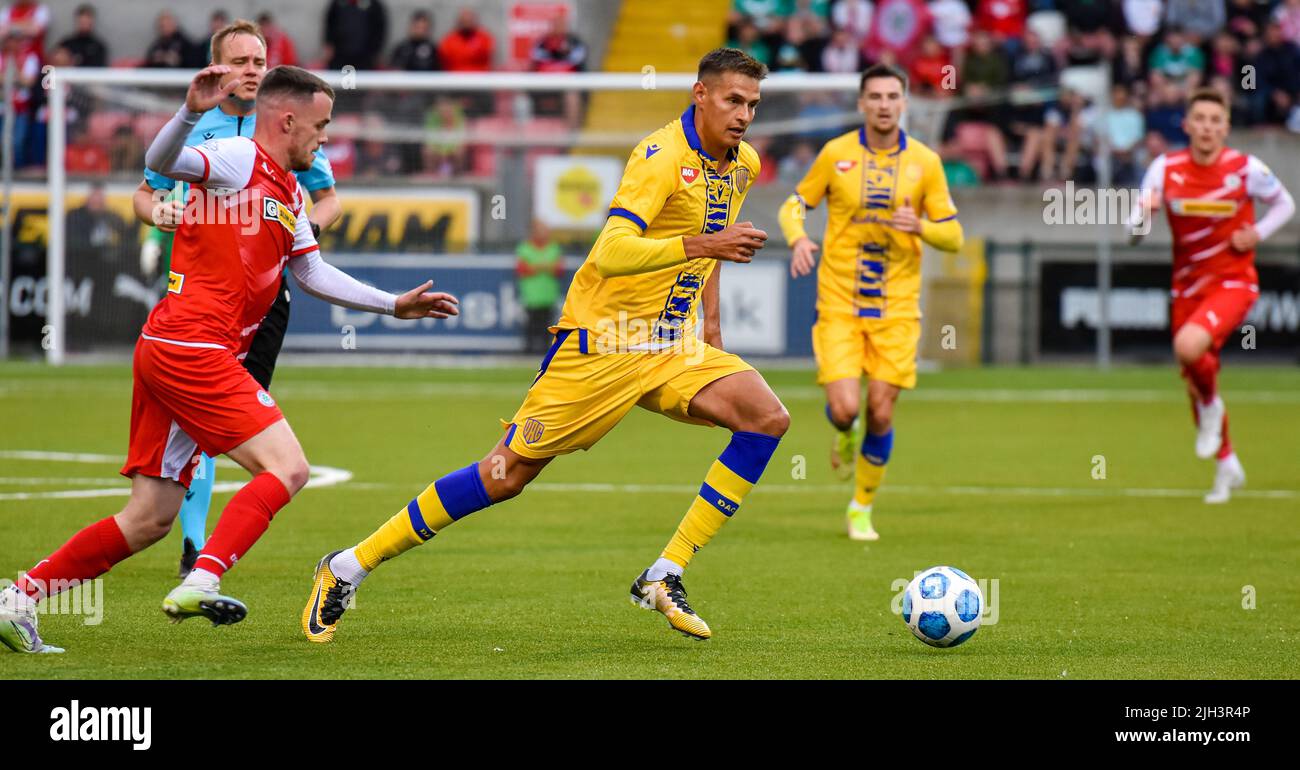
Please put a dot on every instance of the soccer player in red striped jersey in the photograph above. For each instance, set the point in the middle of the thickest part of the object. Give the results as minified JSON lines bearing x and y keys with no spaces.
{"x":245,"y":219}
{"x":1208,"y":192}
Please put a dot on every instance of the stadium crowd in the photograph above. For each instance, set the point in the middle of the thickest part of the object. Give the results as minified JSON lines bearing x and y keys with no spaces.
{"x":996,"y":62}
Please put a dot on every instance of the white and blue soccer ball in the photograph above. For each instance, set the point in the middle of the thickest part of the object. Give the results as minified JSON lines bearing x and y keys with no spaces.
{"x":942,"y":606}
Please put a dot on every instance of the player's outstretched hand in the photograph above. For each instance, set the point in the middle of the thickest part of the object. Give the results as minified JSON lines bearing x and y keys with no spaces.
{"x":206,"y":90}
{"x":736,"y":243}
{"x":1245,"y":239}
{"x":422,"y":303}
{"x":804,"y":257}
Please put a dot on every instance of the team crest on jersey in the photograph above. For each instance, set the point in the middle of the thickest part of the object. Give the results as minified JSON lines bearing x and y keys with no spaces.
{"x":1232,"y":181}
{"x":175,"y":281}
{"x":689,"y":174}
{"x":532,"y":430}
{"x":845,"y":166}
{"x":265,"y":399}
{"x":276,"y":211}
{"x":741,"y":179}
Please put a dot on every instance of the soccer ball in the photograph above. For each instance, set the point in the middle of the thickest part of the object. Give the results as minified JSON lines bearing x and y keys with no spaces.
{"x":942,"y":606}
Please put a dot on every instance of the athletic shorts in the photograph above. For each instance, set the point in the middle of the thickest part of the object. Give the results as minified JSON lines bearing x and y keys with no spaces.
{"x":580,"y":394}
{"x":187,"y":399}
{"x":1221,"y":312}
{"x":847,"y":347}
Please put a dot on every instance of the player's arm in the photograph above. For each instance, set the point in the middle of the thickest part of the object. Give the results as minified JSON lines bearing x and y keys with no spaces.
{"x":155,"y":206}
{"x":319,"y":183}
{"x":168,"y":155}
{"x":324,"y":281}
{"x":940,"y":228}
{"x":1150,"y":197}
{"x":1261,"y":183}
{"x":794,"y":212}
{"x":712,"y":310}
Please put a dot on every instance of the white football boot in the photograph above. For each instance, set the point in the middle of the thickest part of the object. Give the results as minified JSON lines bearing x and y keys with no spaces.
{"x":18,"y":623}
{"x":1209,"y":432}
{"x":1228,"y":475}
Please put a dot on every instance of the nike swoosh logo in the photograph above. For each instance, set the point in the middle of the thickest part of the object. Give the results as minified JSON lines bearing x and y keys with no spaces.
{"x":312,"y":625}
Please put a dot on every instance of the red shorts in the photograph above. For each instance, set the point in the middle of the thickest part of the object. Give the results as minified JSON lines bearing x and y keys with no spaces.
{"x":187,"y":399}
{"x":1220,"y":312}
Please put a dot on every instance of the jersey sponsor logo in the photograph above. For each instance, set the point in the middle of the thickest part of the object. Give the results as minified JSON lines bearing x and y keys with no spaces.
{"x":175,"y":281}
{"x":276,"y":211}
{"x":845,"y":166}
{"x":532,"y":430}
{"x":1204,"y":207}
{"x":265,"y":399}
{"x":651,"y":150}
{"x":689,"y":174}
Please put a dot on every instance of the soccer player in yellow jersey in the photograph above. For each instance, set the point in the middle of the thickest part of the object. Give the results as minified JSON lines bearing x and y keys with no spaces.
{"x":626,"y":337}
{"x":875,"y":181}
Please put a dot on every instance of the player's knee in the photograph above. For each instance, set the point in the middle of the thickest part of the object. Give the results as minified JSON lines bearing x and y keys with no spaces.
{"x":1188,"y":348}
{"x":511,"y":485}
{"x":145,"y":525}
{"x":843,"y":413}
{"x":775,"y":421}
{"x":880,"y":417}
{"x":294,"y":474}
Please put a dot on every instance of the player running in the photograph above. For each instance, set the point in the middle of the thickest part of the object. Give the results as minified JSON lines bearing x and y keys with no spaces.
{"x":875,"y":180}
{"x":626,"y":337}
{"x":190,"y":391}
{"x":1208,"y":192}
{"x":242,"y":47}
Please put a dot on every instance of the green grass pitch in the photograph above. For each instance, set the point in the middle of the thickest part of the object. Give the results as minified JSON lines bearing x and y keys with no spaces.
{"x":1130,"y":575}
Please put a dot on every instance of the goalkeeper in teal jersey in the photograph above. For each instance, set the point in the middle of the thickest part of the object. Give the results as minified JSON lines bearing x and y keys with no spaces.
{"x":241,"y":47}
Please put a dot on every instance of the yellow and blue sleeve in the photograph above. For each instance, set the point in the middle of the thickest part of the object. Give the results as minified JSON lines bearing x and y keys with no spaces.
{"x":809,"y":192}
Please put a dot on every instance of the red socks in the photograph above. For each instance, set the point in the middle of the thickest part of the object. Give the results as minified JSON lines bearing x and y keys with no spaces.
{"x":87,"y":555}
{"x":1203,"y":374}
{"x":243,"y":521}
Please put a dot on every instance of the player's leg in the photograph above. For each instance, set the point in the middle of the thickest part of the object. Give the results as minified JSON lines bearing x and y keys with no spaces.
{"x":840,"y":349}
{"x":721,"y":390}
{"x":260,"y":363}
{"x":891,"y":361}
{"x":1193,"y":345}
{"x":145,"y":519}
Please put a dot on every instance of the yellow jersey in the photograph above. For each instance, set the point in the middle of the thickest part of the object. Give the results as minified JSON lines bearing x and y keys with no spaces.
{"x":868,"y":269}
{"x":671,"y":189}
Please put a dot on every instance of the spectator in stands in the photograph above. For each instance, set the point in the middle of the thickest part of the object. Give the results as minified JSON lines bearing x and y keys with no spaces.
{"x":19,"y":56}
{"x":842,"y":54}
{"x":1092,"y":20}
{"x":216,"y":22}
{"x":1004,"y":20}
{"x":1277,"y":73}
{"x":1165,"y":111}
{"x":1225,"y":54}
{"x":1063,"y":124}
{"x":539,"y":266}
{"x":1033,"y":68}
{"x":1246,"y":19}
{"x":279,"y":45}
{"x":1142,"y":17}
{"x":1287,"y":15}
{"x":931,"y":73}
{"x":125,"y":151}
{"x":418,"y":52}
{"x":1125,"y":129}
{"x":985,"y":71}
{"x":1200,"y":19}
{"x":767,"y":15}
{"x":749,"y":38}
{"x":952,"y":22}
{"x":355,"y":33}
{"x":1129,"y":65}
{"x":795,"y":53}
{"x":1178,"y":58}
{"x":96,"y":233}
{"x":558,"y":50}
{"x":468,"y":47}
{"x":446,"y":157}
{"x":171,"y":49}
{"x":984,"y":75}
{"x":377,"y":157}
{"x":30,"y":20}
{"x":84,"y":47}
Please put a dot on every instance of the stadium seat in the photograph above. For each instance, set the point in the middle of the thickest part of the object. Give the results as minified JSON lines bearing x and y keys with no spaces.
{"x":103,"y":123}
{"x":87,"y":159}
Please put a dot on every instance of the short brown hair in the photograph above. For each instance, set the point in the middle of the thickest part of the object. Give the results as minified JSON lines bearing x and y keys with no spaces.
{"x":1209,"y":94}
{"x":294,"y":82}
{"x":882,"y":70}
{"x":721,"y":60}
{"x":236,"y":27}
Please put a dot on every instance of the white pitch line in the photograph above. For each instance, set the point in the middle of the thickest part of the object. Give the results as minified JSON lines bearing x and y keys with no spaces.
{"x":321,"y":476}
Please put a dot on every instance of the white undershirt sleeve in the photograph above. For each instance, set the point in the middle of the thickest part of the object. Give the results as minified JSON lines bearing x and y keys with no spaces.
{"x":324,"y":281}
{"x":1153,"y":183}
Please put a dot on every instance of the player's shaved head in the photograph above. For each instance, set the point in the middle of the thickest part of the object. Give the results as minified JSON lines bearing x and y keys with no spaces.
{"x":294,"y":106}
